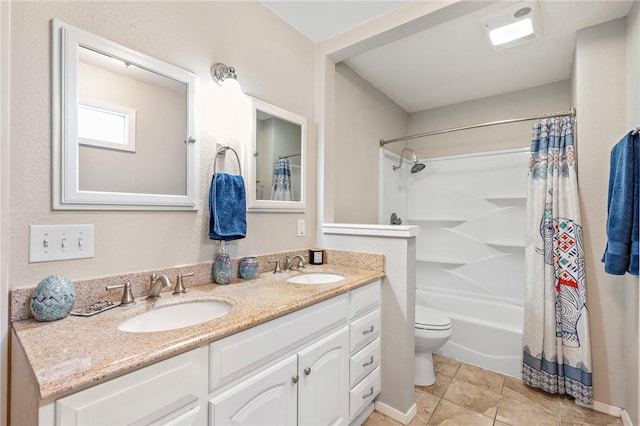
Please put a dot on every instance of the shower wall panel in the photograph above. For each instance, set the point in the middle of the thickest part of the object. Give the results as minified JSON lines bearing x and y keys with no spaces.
{"x":470,"y":251}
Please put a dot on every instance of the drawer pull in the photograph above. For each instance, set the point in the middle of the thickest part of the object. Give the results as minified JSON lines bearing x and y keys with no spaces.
{"x":369,"y":394}
{"x":307,"y":371}
{"x":368,"y":363}
{"x":294,"y":379}
{"x":370,"y":330}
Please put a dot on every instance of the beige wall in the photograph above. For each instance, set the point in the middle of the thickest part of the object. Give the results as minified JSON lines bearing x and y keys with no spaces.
{"x":5,"y":29}
{"x":632,"y":295}
{"x":273,"y":62}
{"x":523,"y":103}
{"x":363,"y":116}
{"x":599,"y":93}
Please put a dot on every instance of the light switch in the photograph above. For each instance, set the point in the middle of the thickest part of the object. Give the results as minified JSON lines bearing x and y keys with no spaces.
{"x":60,"y":242}
{"x":301,"y":226}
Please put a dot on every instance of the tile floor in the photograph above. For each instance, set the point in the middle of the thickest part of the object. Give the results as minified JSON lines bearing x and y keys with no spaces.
{"x":467,"y":395}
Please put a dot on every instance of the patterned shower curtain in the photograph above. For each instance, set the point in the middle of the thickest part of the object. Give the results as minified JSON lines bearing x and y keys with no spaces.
{"x":281,"y":189}
{"x":557,"y":349}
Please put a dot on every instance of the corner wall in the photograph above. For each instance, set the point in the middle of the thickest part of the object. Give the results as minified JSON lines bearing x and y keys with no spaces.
{"x":5,"y":53}
{"x":632,"y":293}
{"x":599,"y":95}
{"x":363,"y":116}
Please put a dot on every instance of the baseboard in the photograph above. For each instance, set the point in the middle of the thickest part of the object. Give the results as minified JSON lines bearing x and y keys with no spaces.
{"x":602,"y":407}
{"x":626,"y":420}
{"x":396,"y":415}
{"x":360,"y":418}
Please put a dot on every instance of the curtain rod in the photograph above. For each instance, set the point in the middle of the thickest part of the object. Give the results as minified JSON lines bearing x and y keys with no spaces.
{"x":570,"y":112}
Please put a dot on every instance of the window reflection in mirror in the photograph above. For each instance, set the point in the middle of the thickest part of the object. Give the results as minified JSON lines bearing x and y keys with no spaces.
{"x":276,"y":168}
{"x":131,"y":122}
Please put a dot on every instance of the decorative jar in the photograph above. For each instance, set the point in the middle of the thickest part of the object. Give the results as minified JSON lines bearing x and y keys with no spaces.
{"x":53,"y":298}
{"x":249,"y":267}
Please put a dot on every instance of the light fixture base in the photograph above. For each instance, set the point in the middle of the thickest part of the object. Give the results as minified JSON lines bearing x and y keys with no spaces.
{"x":220,"y":72}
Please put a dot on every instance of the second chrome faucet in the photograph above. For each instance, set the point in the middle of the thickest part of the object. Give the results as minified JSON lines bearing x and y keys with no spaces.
{"x":157,"y":284}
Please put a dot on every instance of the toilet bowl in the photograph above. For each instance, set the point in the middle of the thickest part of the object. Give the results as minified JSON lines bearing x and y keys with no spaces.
{"x":433,"y":329}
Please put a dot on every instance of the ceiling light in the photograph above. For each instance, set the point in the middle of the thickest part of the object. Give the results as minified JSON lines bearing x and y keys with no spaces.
{"x":511,"y":32}
{"x":513,"y":25}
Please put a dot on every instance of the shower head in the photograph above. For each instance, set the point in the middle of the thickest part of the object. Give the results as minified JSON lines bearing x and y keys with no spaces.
{"x":414,"y":159}
{"x":417,"y":167}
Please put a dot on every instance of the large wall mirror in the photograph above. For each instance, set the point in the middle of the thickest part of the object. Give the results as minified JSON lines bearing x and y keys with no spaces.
{"x":276,"y":169}
{"x":123,"y":127}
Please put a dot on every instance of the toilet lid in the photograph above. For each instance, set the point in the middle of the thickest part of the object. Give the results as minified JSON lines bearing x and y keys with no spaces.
{"x":431,"y":319}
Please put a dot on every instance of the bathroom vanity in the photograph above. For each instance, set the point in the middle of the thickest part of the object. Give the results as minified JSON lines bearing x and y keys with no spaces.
{"x":286,"y":354}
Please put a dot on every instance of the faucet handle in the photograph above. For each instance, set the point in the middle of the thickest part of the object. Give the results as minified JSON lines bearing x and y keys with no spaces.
{"x":277,"y":269}
{"x":127,"y":295}
{"x":179,"y":288}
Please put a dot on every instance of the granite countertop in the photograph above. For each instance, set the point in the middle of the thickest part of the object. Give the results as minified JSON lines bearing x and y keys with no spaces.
{"x":77,"y":352}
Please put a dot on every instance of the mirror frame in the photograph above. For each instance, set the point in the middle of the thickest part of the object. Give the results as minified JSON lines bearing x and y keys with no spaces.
{"x":66,"y":195}
{"x":271,"y":205}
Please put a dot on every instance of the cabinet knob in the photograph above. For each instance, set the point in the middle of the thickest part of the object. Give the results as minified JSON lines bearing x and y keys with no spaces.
{"x":307,"y":371}
{"x":368,"y":363}
{"x":369,"y":394}
{"x":294,"y":379}
{"x":370,"y":330}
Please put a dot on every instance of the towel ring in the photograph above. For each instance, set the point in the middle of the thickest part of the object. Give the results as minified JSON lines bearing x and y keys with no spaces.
{"x":223,"y":151}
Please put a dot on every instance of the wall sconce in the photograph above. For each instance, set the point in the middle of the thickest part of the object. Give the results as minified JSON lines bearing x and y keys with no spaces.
{"x":225,"y":76}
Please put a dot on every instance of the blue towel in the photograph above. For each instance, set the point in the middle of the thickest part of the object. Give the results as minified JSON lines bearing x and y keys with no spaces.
{"x":621,"y":253}
{"x":227,"y":208}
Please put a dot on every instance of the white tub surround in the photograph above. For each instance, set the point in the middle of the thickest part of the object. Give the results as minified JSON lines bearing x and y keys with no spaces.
{"x":470,"y":252}
{"x":398,"y":245}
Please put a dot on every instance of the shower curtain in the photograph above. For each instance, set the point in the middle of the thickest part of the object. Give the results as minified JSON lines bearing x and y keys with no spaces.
{"x":281,"y":181}
{"x":557,"y":349}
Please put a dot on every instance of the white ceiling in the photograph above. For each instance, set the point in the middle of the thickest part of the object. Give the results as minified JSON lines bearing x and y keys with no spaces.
{"x":454,"y":61}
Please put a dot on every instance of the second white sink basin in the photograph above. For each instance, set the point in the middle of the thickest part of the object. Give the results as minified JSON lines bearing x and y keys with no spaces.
{"x":315,"y":278}
{"x":175,"y":316}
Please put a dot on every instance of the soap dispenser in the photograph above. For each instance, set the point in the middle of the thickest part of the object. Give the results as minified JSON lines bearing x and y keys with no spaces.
{"x":222,"y":266}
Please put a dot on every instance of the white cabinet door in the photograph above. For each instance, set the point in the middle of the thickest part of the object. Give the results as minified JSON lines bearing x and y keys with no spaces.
{"x":323,"y":368}
{"x":266,"y":399}
{"x":152,"y":395}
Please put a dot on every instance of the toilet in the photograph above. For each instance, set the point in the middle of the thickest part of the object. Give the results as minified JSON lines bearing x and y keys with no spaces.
{"x":433,"y":329}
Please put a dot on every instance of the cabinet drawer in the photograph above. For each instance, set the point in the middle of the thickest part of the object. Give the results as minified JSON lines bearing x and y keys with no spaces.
{"x":365,"y":392}
{"x":364,"y":330}
{"x":364,"y":299}
{"x":236,"y":355}
{"x":364,"y":362}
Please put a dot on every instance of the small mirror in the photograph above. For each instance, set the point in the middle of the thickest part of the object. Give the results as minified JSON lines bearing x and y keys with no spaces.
{"x":123,"y":127}
{"x":277,"y":161}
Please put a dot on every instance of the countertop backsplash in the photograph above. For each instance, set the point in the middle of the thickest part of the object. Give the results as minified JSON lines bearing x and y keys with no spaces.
{"x":91,"y":290}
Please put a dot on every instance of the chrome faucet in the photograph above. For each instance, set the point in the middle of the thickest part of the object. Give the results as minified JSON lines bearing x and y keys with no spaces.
{"x":157,"y":284}
{"x":291,"y":261}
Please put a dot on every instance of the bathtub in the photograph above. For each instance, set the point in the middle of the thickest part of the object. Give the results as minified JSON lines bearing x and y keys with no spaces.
{"x":486,"y":333}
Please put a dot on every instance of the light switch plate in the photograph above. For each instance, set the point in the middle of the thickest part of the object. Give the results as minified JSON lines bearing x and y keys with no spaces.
{"x":301,"y":226}
{"x":60,"y":242}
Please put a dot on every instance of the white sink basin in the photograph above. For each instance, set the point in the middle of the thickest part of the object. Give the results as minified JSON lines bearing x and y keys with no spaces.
{"x":315,"y":278}
{"x":175,"y":316}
